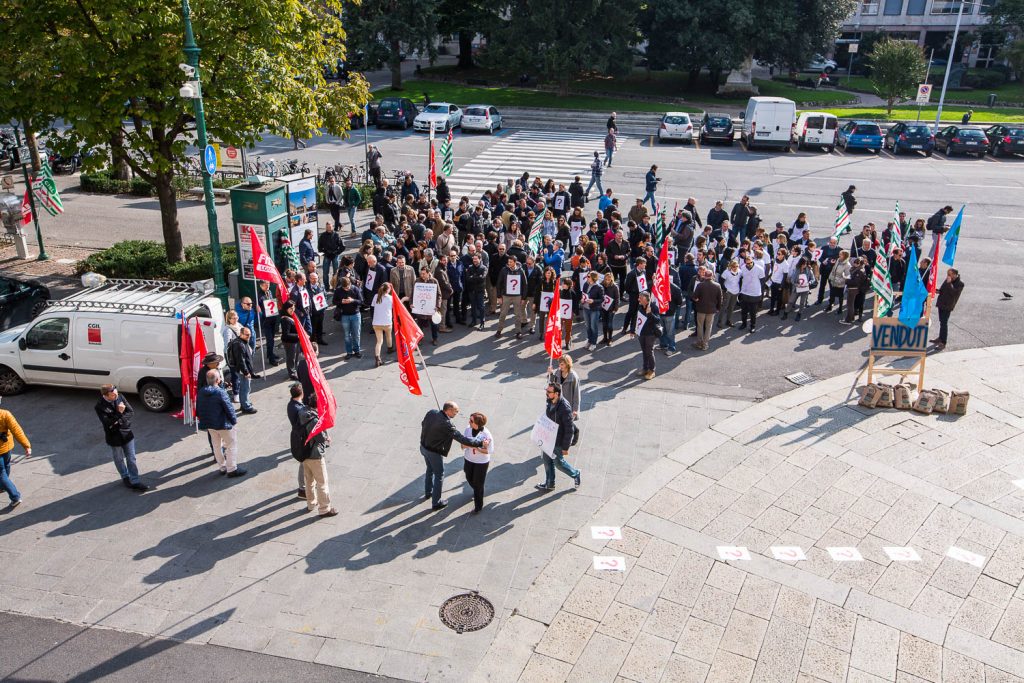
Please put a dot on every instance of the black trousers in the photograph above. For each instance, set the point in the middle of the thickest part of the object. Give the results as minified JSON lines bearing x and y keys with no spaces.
{"x":318,"y":325}
{"x":476,"y":474}
{"x":629,"y":324}
{"x":455,"y":310}
{"x":822,"y":282}
{"x":647,"y":349}
{"x":943,"y":324}
{"x":620,"y":275}
{"x":836,"y":294}
{"x":776,"y":294}
{"x":375,"y":172}
{"x":748,"y":307}
{"x":335,"y":210}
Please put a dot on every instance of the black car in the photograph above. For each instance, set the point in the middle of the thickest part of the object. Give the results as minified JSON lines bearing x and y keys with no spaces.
{"x":909,"y":137}
{"x":1004,"y":140}
{"x":396,"y":111}
{"x":20,"y":301}
{"x":356,"y":119}
{"x":716,"y":126}
{"x":955,"y":139}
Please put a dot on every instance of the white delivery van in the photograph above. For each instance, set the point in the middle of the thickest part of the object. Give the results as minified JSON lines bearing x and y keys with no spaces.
{"x":768,"y":122}
{"x":123,"y":332}
{"x":816,"y":129}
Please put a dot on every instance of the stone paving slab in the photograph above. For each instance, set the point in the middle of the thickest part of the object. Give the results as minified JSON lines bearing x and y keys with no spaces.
{"x":240,"y":563}
{"x":911,"y":566}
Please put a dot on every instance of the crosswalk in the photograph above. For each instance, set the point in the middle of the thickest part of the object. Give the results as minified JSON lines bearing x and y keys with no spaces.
{"x":548,"y":154}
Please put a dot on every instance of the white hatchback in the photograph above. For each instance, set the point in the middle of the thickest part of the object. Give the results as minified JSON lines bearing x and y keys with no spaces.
{"x":675,"y":125}
{"x":481,"y":117}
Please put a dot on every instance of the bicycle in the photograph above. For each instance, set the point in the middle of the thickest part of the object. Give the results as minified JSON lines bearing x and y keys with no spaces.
{"x":399,"y":176}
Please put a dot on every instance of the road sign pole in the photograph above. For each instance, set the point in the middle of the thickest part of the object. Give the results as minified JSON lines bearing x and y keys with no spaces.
{"x":927,"y":73}
{"x":31,"y":195}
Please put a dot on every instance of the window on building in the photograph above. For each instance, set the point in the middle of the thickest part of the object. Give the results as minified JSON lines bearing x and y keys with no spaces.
{"x":893,"y":8}
{"x":916,"y":7}
{"x":869,"y":7}
{"x":985,"y":7}
{"x":950,"y":7}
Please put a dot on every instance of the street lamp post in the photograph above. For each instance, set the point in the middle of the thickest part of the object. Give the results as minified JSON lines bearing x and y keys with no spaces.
{"x":192,"y":55}
{"x":25,"y":163}
{"x":949,"y":64}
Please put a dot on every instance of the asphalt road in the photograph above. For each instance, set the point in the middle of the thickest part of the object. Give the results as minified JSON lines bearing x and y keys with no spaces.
{"x":39,"y":650}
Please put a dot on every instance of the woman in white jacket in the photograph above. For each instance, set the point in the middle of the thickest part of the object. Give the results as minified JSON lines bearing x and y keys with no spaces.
{"x":477,"y":460}
{"x":382,"y":311}
{"x":730,"y":291}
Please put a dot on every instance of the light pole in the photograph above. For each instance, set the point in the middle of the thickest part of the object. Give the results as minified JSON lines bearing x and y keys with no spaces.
{"x":25,"y":163}
{"x":192,"y":55}
{"x":949,"y":64}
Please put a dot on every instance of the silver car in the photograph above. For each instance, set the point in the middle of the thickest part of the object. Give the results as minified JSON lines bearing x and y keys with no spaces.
{"x":481,"y":117}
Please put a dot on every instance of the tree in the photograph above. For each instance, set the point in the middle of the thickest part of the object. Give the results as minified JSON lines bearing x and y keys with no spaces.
{"x":1008,"y":15}
{"x":464,"y":18}
{"x":381,"y":29}
{"x":110,"y":70}
{"x":788,"y":33}
{"x":897,"y":66}
{"x":561,"y":41}
{"x":677,"y":30}
{"x":1014,"y":54}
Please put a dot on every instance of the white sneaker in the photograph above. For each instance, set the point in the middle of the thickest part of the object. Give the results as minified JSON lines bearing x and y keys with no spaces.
{"x":590,"y":347}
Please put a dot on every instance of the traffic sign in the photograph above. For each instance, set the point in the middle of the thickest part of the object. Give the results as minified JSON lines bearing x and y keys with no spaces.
{"x":853,"y":48}
{"x":210,"y":159}
{"x":924,"y":93}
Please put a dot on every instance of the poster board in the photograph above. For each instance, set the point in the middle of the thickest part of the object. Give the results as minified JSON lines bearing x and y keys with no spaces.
{"x":302,"y":212}
{"x":544,"y":433}
{"x":424,"y":298}
{"x":889,"y":338}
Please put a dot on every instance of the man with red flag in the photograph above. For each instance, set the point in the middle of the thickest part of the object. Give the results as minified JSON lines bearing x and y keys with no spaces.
{"x":326,"y":406}
{"x":553,"y":329}
{"x":407,"y":335}
{"x":933,"y":269}
{"x":432,"y":177}
{"x":662,"y":281}
{"x":263,"y":266}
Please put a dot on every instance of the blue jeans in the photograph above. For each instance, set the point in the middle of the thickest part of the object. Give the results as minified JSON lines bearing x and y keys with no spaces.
{"x":668,"y":338}
{"x":687,"y":313}
{"x":5,"y":477}
{"x":593,"y":317}
{"x":244,"y":386}
{"x":434,"y":477}
{"x":595,"y":180}
{"x":550,"y":463}
{"x":351,"y":325}
{"x":329,"y":263}
{"x":269,"y":332}
{"x":124,"y":461}
{"x":654,"y":202}
{"x":352,"y":218}
{"x":608,"y":153}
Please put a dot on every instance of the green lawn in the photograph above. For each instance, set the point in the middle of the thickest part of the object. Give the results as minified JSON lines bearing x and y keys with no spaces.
{"x":801,"y":95}
{"x":1011,"y":94}
{"x":517,"y":97}
{"x":949,"y":114}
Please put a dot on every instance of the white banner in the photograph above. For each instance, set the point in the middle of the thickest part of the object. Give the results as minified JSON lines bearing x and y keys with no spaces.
{"x":544,"y":434}
{"x":545,"y":300}
{"x":424,"y":298}
{"x":320,"y":301}
{"x":514,"y":284}
{"x":270,"y":307}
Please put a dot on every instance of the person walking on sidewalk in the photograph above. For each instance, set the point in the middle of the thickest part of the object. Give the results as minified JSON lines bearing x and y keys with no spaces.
{"x":557,"y":410}
{"x":352,"y":198}
{"x":596,"y":171}
{"x":116,"y":417}
{"x":217,"y":416}
{"x":651,"y":181}
{"x":436,"y":435}
{"x":611,"y":142}
{"x":10,"y":431}
{"x":310,"y":454}
{"x":949,"y":294}
{"x":333,"y":196}
{"x":475,"y":461}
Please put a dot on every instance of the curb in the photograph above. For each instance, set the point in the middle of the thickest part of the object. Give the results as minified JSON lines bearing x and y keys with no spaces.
{"x":513,"y":646}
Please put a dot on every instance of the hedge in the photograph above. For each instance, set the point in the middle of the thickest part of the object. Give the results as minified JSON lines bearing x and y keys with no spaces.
{"x":365,"y":190}
{"x":103,"y":182}
{"x":147,"y":260}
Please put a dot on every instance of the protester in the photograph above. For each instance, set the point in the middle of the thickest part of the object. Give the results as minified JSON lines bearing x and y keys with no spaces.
{"x":383,"y":321}
{"x":730,"y":280}
{"x":217,"y":416}
{"x":609,"y":306}
{"x":949,"y":294}
{"x":289,"y":338}
{"x":510,"y":285}
{"x":11,"y":431}
{"x":347,"y":301}
{"x":557,"y":410}
{"x":751,"y":292}
{"x":837,"y":281}
{"x":569,"y":382}
{"x":115,"y":415}
{"x":310,"y":452}
{"x":476,"y":460}
{"x":649,"y":329}
{"x":436,"y":435}
{"x":856,"y":285}
{"x":592,"y":299}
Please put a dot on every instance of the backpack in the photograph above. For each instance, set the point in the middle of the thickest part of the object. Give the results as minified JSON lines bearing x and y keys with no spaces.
{"x":301,"y":450}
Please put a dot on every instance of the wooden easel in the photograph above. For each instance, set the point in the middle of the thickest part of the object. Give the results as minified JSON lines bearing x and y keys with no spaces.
{"x":920,"y":356}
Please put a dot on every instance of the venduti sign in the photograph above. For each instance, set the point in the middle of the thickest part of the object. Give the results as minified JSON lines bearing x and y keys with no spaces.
{"x":889,"y":335}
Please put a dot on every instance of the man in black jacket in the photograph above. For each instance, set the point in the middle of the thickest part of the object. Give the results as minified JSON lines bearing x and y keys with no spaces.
{"x":558,"y":410}
{"x":716,"y":216}
{"x":738,"y":218}
{"x":116,"y":417}
{"x":240,"y":361}
{"x":330,"y":245}
{"x":475,"y":278}
{"x":949,"y":294}
{"x":849,"y":199}
{"x":937,"y":225}
{"x":636,"y":281}
{"x":436,"y":435}
{"x":310,"y":454}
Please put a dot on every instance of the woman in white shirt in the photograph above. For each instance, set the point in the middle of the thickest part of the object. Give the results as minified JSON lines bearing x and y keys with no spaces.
{"x":382,"y":320}
{"x":780,"y":269}
{"x":731,"y":290}
{"x":477,"y":460}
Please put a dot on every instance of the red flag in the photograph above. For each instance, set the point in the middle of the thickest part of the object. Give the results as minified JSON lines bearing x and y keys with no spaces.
{"x":933,"y":271}
{"x":264,"y":268}
{"x":404,"y":322}
{"x":26,"y":209}
{"x":198,"y":354}
{"x":406,"y":363}
{"x":433,"y":165}
{"x":662,"y":282}
{"x":188,"y":378}
{"x":326,"y":406}
{"x":553,"y":329}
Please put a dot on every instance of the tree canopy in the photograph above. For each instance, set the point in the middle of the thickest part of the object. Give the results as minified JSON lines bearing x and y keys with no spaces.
{"x":897,"y":67}
{"x":381,"y":30}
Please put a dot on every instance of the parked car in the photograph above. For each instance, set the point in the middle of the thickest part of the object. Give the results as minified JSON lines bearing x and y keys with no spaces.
{"x":61,"y":162}
{"x":444,"y":116}
{"x":481,"y":117}
{"x":716,"y":126}
{"x":860,"y":135}
{"x":396,"y":111}
{"x":816,"y":129}
{"x":768,"y":122}
{"x":21,"y":301}
{"x":909,"y":137}
{"x":675,"y":125}
{"x":123,"y":332}
{"x":961,"y":139}
{"x":820,"y":63}
{"x":357,"y":120}
{"x":1004,"y":140}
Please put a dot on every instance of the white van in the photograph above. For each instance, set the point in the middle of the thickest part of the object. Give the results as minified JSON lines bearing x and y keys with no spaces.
{"x":816,"y":129}
{"x":768,"y":122}
{"x":123,"y":332}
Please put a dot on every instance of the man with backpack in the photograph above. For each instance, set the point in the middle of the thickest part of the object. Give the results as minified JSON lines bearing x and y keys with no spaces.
{"x":310,"y":453}
{"x":558,"y":410}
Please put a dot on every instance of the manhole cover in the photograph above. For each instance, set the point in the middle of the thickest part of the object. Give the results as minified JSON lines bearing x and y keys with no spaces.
{"x":466,"y":612}
{"x":800,"y":378}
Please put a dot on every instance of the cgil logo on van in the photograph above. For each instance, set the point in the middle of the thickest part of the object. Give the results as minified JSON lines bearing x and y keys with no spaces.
{"x":95,"y":334}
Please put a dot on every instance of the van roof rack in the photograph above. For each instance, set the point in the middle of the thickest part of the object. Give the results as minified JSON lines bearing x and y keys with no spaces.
{"x":134,"y":296}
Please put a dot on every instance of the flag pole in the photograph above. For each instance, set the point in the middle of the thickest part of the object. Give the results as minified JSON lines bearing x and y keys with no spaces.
{"x":427,"y":375}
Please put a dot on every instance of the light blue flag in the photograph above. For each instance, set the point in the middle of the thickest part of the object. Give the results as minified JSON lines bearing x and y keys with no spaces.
{"x":952,"y":238}
{"x":914,"y":293}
